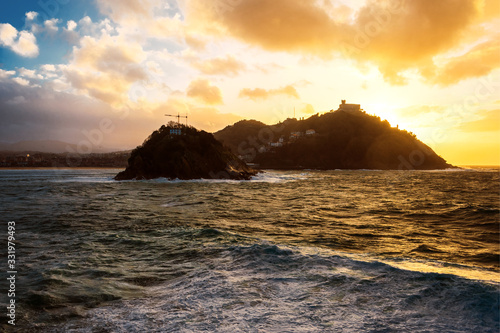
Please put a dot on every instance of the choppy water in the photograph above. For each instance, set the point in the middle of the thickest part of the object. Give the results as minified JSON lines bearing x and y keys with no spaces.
{"x":340,"y":251}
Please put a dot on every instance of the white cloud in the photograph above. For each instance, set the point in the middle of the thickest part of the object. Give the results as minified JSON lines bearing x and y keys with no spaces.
{"x":21,"y":81}
{"x":30,"y":74}
{"x":5,"y":74}
{"x":48,"y":68}
{"x":155,"y":18}
{"x":58,"y":85}
{"x":26,"y":45}
{"x":86,"y":21}
{"x":22,"y":43}
{"x":51,"y":25}
{"x":8,"y":34}
{"x":49,"y":71}
{"x":30,"y":16}
{"x":86,"y":27}
{"x":72,"y":25}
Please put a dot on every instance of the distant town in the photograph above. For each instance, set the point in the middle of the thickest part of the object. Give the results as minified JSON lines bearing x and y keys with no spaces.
{"x":51,"y":160}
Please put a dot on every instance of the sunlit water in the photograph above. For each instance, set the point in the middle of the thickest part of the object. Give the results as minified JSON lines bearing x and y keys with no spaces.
{"x":339,"y":251}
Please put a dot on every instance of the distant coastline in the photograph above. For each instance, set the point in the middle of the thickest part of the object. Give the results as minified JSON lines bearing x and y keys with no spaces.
{"x":29,"y":159}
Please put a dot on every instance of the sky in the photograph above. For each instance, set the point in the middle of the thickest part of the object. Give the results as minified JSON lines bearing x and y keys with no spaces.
{"x":103,"y":73}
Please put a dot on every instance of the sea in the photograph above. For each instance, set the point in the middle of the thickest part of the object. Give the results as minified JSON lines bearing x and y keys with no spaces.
{"x":288,"y":251}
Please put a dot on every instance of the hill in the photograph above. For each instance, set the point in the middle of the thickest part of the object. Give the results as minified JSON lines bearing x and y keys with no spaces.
{"x":231,"y":136}
{"x":181,"y":152}
{"x":335,"y":140}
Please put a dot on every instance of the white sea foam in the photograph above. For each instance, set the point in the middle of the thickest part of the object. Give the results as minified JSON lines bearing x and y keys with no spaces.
{"x":263,"y":177}
{"x":279,"y":177}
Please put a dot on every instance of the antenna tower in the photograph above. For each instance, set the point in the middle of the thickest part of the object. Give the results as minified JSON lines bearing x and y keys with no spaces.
{"x":178,"y":116}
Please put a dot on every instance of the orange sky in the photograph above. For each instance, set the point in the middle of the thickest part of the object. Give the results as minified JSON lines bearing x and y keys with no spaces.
{"x":431,"y":67}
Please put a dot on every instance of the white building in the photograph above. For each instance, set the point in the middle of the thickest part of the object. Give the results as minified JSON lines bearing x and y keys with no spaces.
{"x":175,"y":131}
{"x":310,"y":132}
{"x":349,"y":107}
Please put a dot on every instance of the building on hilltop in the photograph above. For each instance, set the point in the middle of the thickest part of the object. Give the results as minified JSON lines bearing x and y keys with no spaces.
{"x":175,"y":131}
{"x":349,"y":107}
{"x":295,"y":135}
{"x":310,"y":132}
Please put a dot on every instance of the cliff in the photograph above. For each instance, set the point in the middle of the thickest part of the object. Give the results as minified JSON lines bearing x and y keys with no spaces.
{"x":335,"y":140}
{"x":181,"y":152}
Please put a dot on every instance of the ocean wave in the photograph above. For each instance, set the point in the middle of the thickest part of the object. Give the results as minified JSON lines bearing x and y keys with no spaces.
{"x":265,"y":287}
{"x":263,"y":177}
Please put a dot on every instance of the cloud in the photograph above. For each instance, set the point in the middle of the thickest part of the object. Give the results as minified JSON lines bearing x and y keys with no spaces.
{"x":45,"y":114}
{"x":308,"y":109}
{"x":86,"y":21}
{"x":5,"y":74}
{"x":416,"y":111}
{"x":284,"y":25}
{"x":207,"y":118}
{"x":259,"y":93}
{"x":394,"y":35}
{"x":26,"y":45}
{"x":269,"y":68}
{"x":8,"y":34}
{"x":38,"y":113}
{"x":490,"y":122}
{"x":156,"y":18}
{"x":490,"y":9}
{"x":49,"y":71}
{"x":30,"y":16}
{"x":21,"y":81}
{"x":96,"y":29}
{"x":210,"y":119}
{"x":120,"y":9}
{"x":17,"y":100}
{"x":48,"y":68}
{"x":71,"y":25}
{"x":106,"y":68}
{"x":194,"y":42}
{"x":51,"y":25}
{"x":22,"y":43}
{"x":479,"y":61}
{"x":220,"y":66}
{"x":203,"y":91}
{"x":30,"y":74}
{"x":42,"y":113}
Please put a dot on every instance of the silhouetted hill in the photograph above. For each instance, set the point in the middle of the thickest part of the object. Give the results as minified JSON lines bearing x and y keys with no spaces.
{"x":181,"y":152}
{"x":232,"y":135}
{"x":336,"y":140}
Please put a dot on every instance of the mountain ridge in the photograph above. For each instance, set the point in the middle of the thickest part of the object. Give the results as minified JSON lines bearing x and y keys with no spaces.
{"x":341,"y":139}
